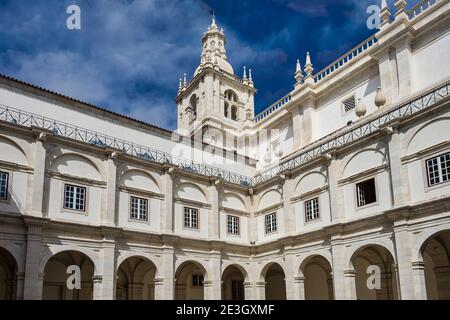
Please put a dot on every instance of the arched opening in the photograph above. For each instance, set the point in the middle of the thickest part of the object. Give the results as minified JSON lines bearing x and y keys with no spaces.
{"x":189,"y":279}
{"x":233,"y":283}
{"x":56,"y":276}
{"x":234,"y":111}
{"x":226,"y":110}
{"x":193,"y":104}
{"x":8,"y":276}
{"x":375,"y":273}
{"x":435,"y":253}
{"x":275,"y":283}
{"x":318,"y":279}
{"x":136,"y":279}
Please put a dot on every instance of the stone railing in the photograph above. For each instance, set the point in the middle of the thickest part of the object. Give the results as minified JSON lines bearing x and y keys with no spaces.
{"x":274,"y":107}
{"x":343,"y":60}
{"x":421,"y":7}
{"x":317,"y":149}
{"x":61,"y":129}
{"x":346,"y":136}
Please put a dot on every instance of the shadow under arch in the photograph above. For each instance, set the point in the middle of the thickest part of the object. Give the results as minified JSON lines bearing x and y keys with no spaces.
{"x":55,"y":276}
{"x":189,"y":281}
{"x":362,"y":262}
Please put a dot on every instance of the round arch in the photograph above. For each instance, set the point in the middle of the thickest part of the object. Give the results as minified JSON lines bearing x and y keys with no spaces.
{"x":57,"y":273}
{"x":135,"y":280}
{"x":435,"y":254}
{"x":273,"y":275}
{"x":190,"y":276}
{"x":317,"y":273}
{"x":233,"y":278}
{"x":54,"y":250}
{"x":375,"y":272}
{"x":8,"y":275}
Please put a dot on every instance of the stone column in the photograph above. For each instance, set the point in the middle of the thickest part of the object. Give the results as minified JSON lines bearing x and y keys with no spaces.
{"x":33,"y":278}
{"x":288,"y":209}
{"x":299,"y":285}
{"x":260,"y":288}
{"x":214,"y":216}
{"x":159,"y":289}
{"x":405,"y":68}
{"x":296,"y":126}
{"x":108,"y":216}
{"x":35,"y":186}
{"x":20,"y":278}
{"x":213,"y":287}
{"x":167,"y":207}
{"x":307,"y":123}
{"x":105,"y":284}
{"x":335,"y":191}
{"x":291,"y":273}
{"x":403,"y":251}
{"x":339,"y":265}
{"x":398,"y":172}
{"x":420,"y":288}
{"x":386,"y":76}
{"x":350,"y":284}
{"x":167,"y":272}
{"x":248,"y":291}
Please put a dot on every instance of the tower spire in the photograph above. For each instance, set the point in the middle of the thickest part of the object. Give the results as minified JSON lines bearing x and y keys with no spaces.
{"x":213,"y":23}
{"x":298,"y":72}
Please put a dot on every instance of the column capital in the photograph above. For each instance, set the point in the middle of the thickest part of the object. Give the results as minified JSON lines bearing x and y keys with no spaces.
{"x":418,"y":265}
{"x":299,"y":279}
{"x":350,"y":273}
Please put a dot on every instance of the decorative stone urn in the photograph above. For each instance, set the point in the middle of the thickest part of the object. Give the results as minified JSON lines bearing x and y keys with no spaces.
{"x":360,"y":109}
{"x":380,"y":98}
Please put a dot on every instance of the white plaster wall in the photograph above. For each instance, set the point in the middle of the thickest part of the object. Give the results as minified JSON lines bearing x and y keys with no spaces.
{"x":154,"y":214}
{"x":261,"y":225}
{"x":382,"y":186}
{"x":242,"y":238}
{"x":324,"y":212}
{"x":16,"y":202}
{"x":430,"y":61}
{"x":57,"y":212}
{"x":202,"y":232}
{"x":330,"y":115}
{"x":110,"y":127}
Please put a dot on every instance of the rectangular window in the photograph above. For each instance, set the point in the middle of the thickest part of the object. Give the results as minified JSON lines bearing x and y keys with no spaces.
{"x":312,"y":209}
{"x":366,"y":192}
{"x":349,"y":104}
{"x":74,"y":197}
{"x":4,"y":176}
{"x":438,"y":169}
{"x":197,"y":280}
{"x":190,"y":218}
{"x":139,"y":209}
{"x":233,"y":225}
{"x":237,"y":290}
{"x":271,"y":223}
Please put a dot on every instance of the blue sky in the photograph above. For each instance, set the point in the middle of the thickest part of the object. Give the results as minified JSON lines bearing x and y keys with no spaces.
{"x":129,"y":54}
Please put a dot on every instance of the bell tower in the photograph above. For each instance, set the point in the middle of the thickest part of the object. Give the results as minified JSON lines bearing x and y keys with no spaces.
{"x":215,"y":100}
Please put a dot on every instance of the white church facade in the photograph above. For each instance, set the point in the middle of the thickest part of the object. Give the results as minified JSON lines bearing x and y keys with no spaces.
{"x":346,"y":175}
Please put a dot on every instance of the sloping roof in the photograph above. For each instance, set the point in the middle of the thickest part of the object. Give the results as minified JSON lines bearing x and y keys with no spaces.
{"x":25,"y":86}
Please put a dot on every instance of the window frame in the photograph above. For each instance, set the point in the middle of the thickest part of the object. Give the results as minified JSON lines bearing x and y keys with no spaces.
{"x":147,"y":209}
{"x":440,"y":169}
{"x":197,"y":212}
{"x":312,"y":214}
{"x":200,"y":280}
{"x":272,"y":230}
{"x":238,"y":225}
{"x":357,"y":198}
{"x":73,"y":209}
{"x":6,"y":197}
